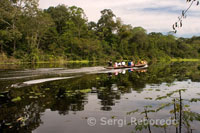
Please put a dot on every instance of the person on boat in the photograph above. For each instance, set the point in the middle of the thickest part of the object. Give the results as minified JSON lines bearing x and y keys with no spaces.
{"x":123,"y":63}
{"x":116,"y":64}
{"x":110,"y":63}
{"x":119,"y":64}
{"x":130,"y":63}
{"x":139,"y":62}
{"x":145,"y":62}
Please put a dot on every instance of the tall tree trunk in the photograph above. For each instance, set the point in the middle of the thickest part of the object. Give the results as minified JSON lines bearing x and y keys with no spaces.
{"x":38,"y":40}
{"x":79,"y":32}
{"x":32,"y":41}
{"x":14,"y":47}
{"x":13,"y":27}
{"x":1,"y":47}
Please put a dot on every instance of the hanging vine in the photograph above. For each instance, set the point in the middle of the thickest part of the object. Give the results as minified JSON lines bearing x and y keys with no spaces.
{"x":179,"y":23}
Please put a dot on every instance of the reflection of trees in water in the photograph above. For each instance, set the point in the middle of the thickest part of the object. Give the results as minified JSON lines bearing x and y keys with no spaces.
{"x":108,"y":98}
{"x":71,"y":103}
{"x":30,"y":114}
{"x":71,"y":95}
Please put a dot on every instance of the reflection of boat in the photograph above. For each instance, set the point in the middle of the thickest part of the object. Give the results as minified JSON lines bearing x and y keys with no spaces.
{"x":141,"y":66}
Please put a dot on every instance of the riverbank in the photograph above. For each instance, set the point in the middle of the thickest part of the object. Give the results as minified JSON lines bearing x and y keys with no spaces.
{"x":16,"y":61}
{"x":44,"y":62}
{"x":12,"y":60}
{"x":4,"y":59}
{"x":175,"y":60}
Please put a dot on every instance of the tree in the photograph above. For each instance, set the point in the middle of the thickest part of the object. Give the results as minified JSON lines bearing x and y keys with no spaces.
{"x":60,"y":15}
{"x":11,"y":10}
{"x":106,"y":25}
{"x":59,"y":32}
{"x":124,"y":34}
{"x":78,"y":18}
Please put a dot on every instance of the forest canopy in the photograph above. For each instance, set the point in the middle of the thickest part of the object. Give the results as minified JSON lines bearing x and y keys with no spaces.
{"x":63,"y":32}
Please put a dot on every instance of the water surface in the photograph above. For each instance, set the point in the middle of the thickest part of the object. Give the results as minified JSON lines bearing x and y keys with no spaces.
{"x":49,"y":98}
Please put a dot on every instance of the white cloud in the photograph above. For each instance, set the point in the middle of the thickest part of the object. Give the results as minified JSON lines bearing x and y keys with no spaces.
{"x":153,"y":15}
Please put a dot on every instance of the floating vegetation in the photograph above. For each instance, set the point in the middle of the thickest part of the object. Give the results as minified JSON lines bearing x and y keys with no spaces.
{"x":122,"y":87}
{"x":8,"y":124}
{"x":149,"y":90}
{"x":16,"y":99}
{"x":148,"y":98}
{"x":33,"y":97}
{"x":170,"y":84}
{"x":47,"y":89}
{"x":20,"y":119}
{"x":102,"y":88}
{"x":161,"y":97}
{"x":70,"y":93}
{"x":86,"y":91}
{"x":113,"y":117}
{"x":38,"y":94}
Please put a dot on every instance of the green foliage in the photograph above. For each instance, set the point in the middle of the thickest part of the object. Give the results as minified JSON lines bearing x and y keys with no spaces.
{"x":195,"y":100}
{"x":31,"y":34}
{"x":132,"y":112}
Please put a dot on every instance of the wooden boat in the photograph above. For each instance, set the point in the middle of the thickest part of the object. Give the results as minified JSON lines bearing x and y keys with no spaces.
{"x":141,"y":66}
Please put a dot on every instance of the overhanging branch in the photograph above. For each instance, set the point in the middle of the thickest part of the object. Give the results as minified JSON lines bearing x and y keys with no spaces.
{"x":183,"y":15}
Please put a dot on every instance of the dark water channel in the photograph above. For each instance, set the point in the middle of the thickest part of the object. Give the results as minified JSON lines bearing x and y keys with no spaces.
{"x":87,"y":98}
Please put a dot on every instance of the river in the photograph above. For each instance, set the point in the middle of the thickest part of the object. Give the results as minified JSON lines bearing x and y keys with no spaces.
{"x":87,"y":98}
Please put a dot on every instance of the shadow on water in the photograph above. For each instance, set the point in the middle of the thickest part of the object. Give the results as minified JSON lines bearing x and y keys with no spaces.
{"x":161,"y":91}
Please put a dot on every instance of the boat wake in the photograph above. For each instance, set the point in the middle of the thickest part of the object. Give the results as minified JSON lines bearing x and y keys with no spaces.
{"x":30,"y":77}
{"x":38,"y":81}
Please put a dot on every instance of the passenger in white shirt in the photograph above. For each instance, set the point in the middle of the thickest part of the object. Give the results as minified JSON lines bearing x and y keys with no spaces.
{"x":123,"y":63}
{"x":116,"y":64}
{"x":132,"y":64}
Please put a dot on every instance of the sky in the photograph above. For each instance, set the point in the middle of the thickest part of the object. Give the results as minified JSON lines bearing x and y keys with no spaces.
{"x":152,"y":15}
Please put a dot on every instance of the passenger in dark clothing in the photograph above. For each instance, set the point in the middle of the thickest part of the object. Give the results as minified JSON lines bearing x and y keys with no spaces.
{"x":110,"y":63}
